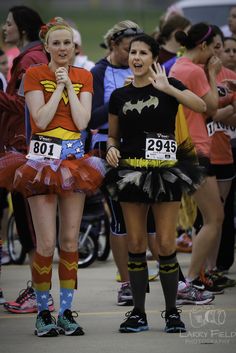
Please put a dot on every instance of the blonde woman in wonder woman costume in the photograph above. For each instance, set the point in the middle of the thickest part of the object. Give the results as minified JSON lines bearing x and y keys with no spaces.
{"x":56,"y":174}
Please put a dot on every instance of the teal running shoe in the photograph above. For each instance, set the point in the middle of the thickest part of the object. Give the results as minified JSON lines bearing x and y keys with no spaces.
{"x":67,"y":325}
{"x":46,"y":325}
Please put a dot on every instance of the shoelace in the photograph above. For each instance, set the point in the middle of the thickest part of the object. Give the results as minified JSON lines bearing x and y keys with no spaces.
{"x":24,"y":294}
{"x":48,"y":318}
{"x":131,"y":314}
{"x":173,"y":315}
{"x":70,"y":315}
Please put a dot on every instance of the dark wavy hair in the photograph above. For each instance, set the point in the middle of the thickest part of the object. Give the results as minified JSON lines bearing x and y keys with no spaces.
{"x":150,"y":41}
{"x":28,"y":21}
{"x":197,"y":34}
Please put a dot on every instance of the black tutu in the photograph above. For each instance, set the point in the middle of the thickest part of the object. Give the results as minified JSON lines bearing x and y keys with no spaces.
{"x":154,"y":184}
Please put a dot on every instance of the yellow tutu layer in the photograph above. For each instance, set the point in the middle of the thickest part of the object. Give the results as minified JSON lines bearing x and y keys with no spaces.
{"x":145,"y":163}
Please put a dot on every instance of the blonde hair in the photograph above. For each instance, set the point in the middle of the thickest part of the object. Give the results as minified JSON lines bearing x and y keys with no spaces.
{"x":54,"y":24}
{"x":108,"y":37}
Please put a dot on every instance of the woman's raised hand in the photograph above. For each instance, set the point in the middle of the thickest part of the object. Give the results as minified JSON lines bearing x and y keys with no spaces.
{"x":158,"y":77}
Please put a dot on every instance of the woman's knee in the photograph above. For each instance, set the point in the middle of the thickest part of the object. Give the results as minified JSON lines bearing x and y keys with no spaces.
{"x":69,"y":245}
{"x":137,"y":246}
{"x":214,"y":217}
{"x":166,"y":247}
{"x":45,"y":248}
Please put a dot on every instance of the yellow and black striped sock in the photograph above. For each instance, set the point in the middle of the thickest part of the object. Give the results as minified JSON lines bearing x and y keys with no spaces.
{"x":138,"y":274}
{"x":169,"y":276}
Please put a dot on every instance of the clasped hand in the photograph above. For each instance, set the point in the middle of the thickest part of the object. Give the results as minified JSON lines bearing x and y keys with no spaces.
{"x":62,"y":76}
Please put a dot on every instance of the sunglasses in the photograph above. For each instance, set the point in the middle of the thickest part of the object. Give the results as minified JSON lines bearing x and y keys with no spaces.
{"x":126,"y":33}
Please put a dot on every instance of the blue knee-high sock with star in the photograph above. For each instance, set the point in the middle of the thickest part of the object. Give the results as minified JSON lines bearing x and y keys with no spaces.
{"x":66,"y":297}
{"x":42,"y":299}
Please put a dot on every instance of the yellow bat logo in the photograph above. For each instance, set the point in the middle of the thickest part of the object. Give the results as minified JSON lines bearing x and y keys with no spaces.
{"x":50,"y":86}
{"x":141,"y":104}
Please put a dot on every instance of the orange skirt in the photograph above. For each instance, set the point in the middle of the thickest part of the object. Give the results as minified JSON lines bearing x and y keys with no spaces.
{"x":36,"y":177}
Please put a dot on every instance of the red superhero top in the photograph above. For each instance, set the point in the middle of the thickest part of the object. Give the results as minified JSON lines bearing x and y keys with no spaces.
{"x":41,"y":78}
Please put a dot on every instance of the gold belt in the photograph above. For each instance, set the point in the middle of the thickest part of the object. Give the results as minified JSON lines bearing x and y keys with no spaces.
{"x":146,"y":163}
{"x":61,"y":133}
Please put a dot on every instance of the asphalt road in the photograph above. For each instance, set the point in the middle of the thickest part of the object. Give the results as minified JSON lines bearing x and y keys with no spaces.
{"x":211,"y":328}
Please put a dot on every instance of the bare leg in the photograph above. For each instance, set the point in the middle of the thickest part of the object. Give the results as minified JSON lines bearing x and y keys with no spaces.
{"x":224,"y":187}
{"x":208,"y":201}
{"x":135,"y":215}
{"x":43,"y":210}
{"x":153,"y":245}
{"x":120,"y":254}
{"x":166,"y":215}
{"x":70,"y":215}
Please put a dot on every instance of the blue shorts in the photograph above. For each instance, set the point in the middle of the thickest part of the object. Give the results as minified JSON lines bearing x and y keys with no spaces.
{"x":117,"y":220}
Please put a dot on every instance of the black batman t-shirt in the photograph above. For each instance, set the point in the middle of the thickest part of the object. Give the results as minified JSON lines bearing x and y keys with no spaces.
{"x":141,"y":111}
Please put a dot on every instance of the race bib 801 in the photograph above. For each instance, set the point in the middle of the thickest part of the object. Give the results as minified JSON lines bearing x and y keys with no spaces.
{"x":45,"y":146}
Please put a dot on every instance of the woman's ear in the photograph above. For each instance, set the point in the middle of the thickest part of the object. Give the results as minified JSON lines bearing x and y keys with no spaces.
{"x":203,"y":45}
{"x":23,"y":34}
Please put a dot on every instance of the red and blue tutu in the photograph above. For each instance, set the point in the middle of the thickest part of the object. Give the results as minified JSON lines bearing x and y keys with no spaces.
{"x":50,"y":176}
